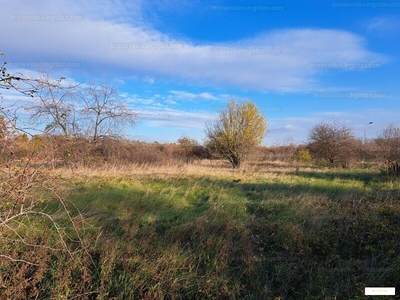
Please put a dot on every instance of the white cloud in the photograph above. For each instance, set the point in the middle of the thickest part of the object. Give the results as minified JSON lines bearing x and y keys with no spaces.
{"x":382,"y":112}
{"x":169,"y":101}
{"x":340,"y":114}
{"x":179,"y":119}
{"x":383,"y":24}
{"x":183,"y":95}
{"x":208,"y":96}
{"x":290,"y":127}
{"x":188,"y":96}
{"x":307,"y":120}
{"x":135,"y":99}
{"x":141,"y":51}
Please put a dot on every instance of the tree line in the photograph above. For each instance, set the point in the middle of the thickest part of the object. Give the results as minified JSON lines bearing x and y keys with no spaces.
{"x":94,"y":111}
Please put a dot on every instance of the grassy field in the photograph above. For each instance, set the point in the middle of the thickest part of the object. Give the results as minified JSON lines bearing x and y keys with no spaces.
{"x":268,"y":231}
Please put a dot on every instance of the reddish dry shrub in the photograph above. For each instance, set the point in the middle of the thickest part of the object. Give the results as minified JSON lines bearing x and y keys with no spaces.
{"x":55,"y":150}
{"x":63,"y":151}
{"x":34,"y":238}
{"x":55,"y":274}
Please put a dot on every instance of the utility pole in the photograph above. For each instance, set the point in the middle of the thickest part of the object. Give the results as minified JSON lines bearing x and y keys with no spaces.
{"x":365,"y":135}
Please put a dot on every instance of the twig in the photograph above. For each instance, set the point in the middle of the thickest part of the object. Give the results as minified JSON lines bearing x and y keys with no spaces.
{"x":18,"y":260}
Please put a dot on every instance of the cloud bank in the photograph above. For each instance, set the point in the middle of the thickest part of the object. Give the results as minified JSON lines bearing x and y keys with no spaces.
{"x":113,"y":37}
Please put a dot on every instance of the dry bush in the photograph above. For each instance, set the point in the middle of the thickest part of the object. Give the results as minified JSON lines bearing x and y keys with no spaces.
{"x":388,"y":144}
{"x":200,"y":152}
{"x":258,"y":154}
{"x":42,"y":253}
{"x":176,"y":152}
{"x":265,"y":153}
{"x":38,"y":228}
{"x":388,"y":150}
{"x":54,"y":151}
{"x":369,"y":152}
{"x":75,"y":152}
{"x":122,"y":152}
{"x":333,"y":144}
{"x":149,"y":154}
{"x":284,"y":152}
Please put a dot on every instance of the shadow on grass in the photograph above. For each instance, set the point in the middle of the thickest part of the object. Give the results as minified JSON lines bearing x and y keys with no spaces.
{"x":114,"y":206}
{"x":171,"y":243}
{"x":176,"y":238}
{"x":269,"y":164}
{"x":272,"y":190}
{"x":365,"y":177}
{"x":349,"y":236}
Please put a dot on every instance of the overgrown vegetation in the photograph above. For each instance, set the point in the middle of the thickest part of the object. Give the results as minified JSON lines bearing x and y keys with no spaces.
{"x":333,"y":144}
{"x":200,"y":233}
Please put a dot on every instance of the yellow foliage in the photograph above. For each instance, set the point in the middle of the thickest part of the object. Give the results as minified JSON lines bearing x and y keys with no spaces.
{"x":239,"y":129}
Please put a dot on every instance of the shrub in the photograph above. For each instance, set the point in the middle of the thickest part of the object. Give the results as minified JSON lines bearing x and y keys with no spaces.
{"x":303,"y":156}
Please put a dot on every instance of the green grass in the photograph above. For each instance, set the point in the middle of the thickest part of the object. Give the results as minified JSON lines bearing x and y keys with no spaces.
{"x":273,"y":235}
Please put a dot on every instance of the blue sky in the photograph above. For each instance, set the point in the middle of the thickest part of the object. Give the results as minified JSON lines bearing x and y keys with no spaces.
{"x":179,"y":62}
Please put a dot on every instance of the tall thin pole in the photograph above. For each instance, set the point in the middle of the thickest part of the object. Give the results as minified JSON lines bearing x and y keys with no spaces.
{"x":365,"y":135}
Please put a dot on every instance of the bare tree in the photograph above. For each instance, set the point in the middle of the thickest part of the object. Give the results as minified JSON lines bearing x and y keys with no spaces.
{"x":333,"y":143}
{"x":388,"y":143}
{"x":56,"y":106}
{"x":239,"y":129}
{"x":17,"y":81}
{"x":106,"y":115}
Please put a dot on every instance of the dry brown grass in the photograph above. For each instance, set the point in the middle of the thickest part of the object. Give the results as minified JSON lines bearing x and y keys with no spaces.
{"x":213,"y":168}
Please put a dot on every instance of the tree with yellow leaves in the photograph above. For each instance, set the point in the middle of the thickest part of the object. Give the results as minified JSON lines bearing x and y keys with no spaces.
{"x":238,"y":130}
